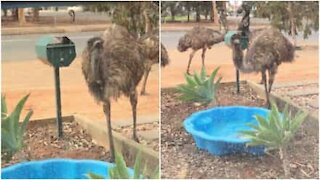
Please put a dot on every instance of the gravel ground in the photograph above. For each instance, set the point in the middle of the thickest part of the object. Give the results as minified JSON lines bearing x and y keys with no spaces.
{"x":181,"y":159}
{"x":305,"y":101}
{"x":127,"y":132}
{"x":41,"y":143}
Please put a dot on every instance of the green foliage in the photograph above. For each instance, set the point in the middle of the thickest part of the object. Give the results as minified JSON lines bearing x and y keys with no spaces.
{"x":276,"y":130}
{"x":305,"y":14}
{"x":199,"y":88}
{"x":11,"y":131}
{"x":130,"y":15}
{"x":120,"y":170}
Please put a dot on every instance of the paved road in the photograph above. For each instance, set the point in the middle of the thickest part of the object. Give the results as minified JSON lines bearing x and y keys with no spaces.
{"x":171,"y":39}
{"x":22,"y":47}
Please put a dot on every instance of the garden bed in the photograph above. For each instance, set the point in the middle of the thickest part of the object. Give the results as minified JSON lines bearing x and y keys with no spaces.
{"x":41,"y":142}
{"x":189,"y":162}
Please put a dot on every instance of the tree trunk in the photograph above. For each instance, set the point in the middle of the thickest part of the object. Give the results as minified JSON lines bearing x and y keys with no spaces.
{"x":198,"y":13}
{"x":292,"y":23}
{"x":21,"y":17}
{"x":285,"y":162}
{"x":172,"y":14}
{"x":5,"y":12}
{"x":15,"y":14}
{"x":35,"y":14}
{"x":147,"y":21}
{"x":215,"y":13}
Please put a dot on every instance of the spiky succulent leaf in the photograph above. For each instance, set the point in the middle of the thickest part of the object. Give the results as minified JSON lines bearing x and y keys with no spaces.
{"x":156,"y":174}
{"x":4,"y":109}
{"x":274,"y":131}
{"x":94,"y":176}
{"x":137,"y":167}
{"x":11,"y":131}
{"x":199,"y":88}
{"x":121,"y":166}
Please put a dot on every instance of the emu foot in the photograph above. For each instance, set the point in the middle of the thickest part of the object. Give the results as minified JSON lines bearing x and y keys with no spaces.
{"x":112,"y":157}
{"x":144,"y":93}
{"x":268,"y":105}
{"x":135,"y":138}
{"x":261,"y":81}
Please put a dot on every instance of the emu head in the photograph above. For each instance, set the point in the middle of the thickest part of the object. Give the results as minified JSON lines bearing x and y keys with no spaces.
{"x":164,"y":56}
{"x":92,"y":57}
{"x":245,"y":7}
{"x":184,"y":43}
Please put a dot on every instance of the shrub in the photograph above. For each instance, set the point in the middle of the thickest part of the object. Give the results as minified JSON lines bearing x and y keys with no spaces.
{"x":200,"y":88}
{"x":275,"y":132}
{"x":11,"y":131}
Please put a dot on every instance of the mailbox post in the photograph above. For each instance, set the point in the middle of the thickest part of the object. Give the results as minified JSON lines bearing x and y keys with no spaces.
{"x":56,"y":52}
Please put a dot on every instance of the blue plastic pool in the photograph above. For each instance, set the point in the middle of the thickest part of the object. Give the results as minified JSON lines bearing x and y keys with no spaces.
{"x":217,"y":130}
{"x":56,"y":169}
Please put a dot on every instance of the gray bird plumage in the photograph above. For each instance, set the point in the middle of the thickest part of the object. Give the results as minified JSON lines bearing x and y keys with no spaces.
{"x":266,"y":51}
{"x":199,"y":38}
{"x":113,"y":65}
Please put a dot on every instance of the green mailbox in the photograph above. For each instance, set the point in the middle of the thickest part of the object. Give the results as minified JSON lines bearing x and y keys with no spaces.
{"x":244,"y":40}
{"x":56,"y":51}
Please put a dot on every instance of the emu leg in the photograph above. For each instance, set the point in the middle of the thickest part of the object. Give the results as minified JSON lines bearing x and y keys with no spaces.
{"x":146,"y":74}
{"x":203,"y":56}
{"x":133,"y":101}
{"x":272,"y":72}
{"x":107,"y":112}
{"x":190,"y":58}
{"x":264,"y":78}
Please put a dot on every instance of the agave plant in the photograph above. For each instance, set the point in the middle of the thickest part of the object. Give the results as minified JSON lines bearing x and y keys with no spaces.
{"x":200,"y":88}
{"x":275,"y":132}
{"x":120,"y":170}
{"x":11,"y":130}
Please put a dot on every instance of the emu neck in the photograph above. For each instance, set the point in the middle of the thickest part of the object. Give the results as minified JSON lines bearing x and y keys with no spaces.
{"x":238,"y":59}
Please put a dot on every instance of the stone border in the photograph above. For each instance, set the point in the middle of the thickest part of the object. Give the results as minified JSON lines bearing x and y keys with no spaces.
{"x":128,"y":147}
{"x":98,"y":132}
{"x":312,"y":118}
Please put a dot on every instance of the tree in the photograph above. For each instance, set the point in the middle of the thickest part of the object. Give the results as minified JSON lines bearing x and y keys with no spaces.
{"x":172,"y":6}
{"x":137,"y":17}
{"x":35,"y":12}
{"x":292,"y":17}
{"x":21,"y":17}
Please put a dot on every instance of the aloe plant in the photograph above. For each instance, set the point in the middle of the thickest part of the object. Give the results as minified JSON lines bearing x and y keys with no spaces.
{"x":11,"y":130}
{"x":275,"y":132}
{"x":120,"y":170}
{"x":200,"y":88}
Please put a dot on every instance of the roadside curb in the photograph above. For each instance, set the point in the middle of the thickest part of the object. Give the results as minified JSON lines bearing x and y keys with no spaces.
{"x":311,"y":119}
{"x":57,"y":29}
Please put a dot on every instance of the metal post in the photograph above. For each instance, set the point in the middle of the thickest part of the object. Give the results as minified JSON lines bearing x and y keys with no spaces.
{"x":238,"y":81}
{"x":58,"y":101}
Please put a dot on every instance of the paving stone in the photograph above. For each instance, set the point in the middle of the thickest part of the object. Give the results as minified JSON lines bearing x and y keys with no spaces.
{"x":304,"y":92}
{"x":150,"y":134}
{"x":140,"y":120}
{"x":298,"y":83}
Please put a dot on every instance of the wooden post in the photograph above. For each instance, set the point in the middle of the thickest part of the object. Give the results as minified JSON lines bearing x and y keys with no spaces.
{"x":21,"y":17}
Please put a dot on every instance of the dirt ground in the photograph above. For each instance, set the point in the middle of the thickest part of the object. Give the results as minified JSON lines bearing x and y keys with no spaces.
{"x":41,"y":143}
{"x":32,"y":76}
{"x":305,"y":66}
{"x":190,"y":162}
